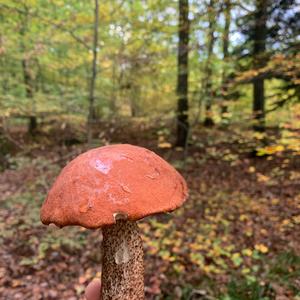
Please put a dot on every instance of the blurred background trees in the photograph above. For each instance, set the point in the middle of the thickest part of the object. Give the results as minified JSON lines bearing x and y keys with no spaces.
{"x":182,"y":73}
{"x":230,"y":54}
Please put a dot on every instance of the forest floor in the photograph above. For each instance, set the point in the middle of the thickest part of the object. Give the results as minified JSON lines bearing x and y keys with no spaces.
{"x":236,"y":238}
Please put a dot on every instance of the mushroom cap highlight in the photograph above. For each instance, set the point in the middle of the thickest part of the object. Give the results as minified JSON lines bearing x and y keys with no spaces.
{"x":113,"y":180}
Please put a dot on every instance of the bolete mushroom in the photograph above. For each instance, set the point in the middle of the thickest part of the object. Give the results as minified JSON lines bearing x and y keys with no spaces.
{"x":112,"y":187}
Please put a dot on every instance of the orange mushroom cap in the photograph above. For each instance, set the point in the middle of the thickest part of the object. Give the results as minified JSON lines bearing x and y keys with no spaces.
{"x":117,"y":179}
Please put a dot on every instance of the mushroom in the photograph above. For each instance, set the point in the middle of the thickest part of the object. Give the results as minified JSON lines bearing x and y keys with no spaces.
{"x":112,"y":187}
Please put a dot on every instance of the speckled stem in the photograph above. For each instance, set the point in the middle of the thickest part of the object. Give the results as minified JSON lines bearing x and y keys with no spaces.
{"x":123,"y":262}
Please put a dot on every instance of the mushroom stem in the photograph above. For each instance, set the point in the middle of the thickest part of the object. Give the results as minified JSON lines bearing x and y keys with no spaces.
{"x":123,"y":262}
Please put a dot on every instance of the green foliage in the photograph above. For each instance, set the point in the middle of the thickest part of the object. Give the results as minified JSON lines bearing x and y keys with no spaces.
{"x":286,"y":270}
{"x":136,"y":60}
{"x":56,"y":42}
{"x":243,"y":290}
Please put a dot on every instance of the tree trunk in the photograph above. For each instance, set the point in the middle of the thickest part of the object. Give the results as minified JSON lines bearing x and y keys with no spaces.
{"x":29,"y":88}
{"x":114,"y":93}
{"x":208,"y":93}
{"x":27,"y":78}
{"x":260,"y":35}
{"x":227,"y":16}
{"x":182,"y":77}
{"x":91,"y":115}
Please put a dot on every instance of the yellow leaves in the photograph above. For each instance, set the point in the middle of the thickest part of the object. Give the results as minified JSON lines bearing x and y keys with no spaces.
{"x":145,"y":227}
{"x":214,"y":218}
{"x":105,"y":12}
{"x":248,"y":232}
{"x":197,"y":258}
{"x":105,"y":64}
{"x":31,"y":2}
{"x":215,"y":251}
{"x":262,"y":178}
{"x":281,"y":63}
{"x":274,"y":149}
{"x":179,"y":234}
{"x":153,"y":249}
{"x":168,"y":88}
{"x":227,"y":115}
{"x":229,"y":248}
{"x":290,"y":222}
{"x":196,"y":246}
{"x":261,"y":248}
{"x":16,"y":283}
{"x":290,"y":138}
{"x":84,"y":19}
{"x":264,"y":232}
{"x":59,"y":3}
{"x":256,"y":207}
{"x":296,"y":219}
{"x":247,"y":252}
{"x":286,"y":222}
{"x":166,"y":255}
{"x":207,"y":269}
{"x":168,"y":241}
{"x":213,"y":152}
{"x":294,"y":175}
{"x":207,"y":242}
{"x":246,"y":271}
{"x":221,"y":262}
{"x":251,"y":169}
{"x":294,"y":146}
{"x":296,"y":81}
{"x":230,"y":157}
{"x":176,"y":249}
{"x":179,"y":268}
{"x":179,"y":149}
{"x":224,"y":238}
{"x":275,"y":201}
{"x":210,"y":269}
{"x":270,"y":150}
{"x":237,"y":259}
{"x":157,"y":233}
{"x":259,"y":135}
{"x":243,"y":217}
{"x":164,"y":145}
